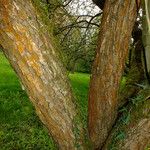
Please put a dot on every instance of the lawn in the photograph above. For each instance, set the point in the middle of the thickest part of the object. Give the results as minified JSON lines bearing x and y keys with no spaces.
{"x":20,"y":128}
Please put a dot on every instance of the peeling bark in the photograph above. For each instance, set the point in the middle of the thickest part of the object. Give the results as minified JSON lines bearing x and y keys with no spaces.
{"x":29,"y":48}
{"x":117,"y":23}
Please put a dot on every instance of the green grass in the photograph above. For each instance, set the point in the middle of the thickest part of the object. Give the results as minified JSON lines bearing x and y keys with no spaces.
{"x":20,"y":128}
{"x":79,"y":82}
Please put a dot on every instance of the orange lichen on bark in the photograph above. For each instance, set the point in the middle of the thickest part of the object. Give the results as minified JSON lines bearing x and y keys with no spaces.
{"x":22,"y":43}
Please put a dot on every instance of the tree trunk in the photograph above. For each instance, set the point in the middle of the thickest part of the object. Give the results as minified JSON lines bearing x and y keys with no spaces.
{"x":135,"y":74}
{"x":117,"y":23}
{"x":132,"y":130}
{"x":29,"y":48}
{"x":146,"y":32}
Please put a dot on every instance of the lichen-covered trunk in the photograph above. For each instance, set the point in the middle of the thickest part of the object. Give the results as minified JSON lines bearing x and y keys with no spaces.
{"x":29,"y":48}
{"x":146,"y":31}
{"x":115,"y":33}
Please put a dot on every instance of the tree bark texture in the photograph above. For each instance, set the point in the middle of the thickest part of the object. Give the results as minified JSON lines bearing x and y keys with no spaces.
{"x":132,"y":130}
{"x":29,"y":48}
{"x":115,"y":32}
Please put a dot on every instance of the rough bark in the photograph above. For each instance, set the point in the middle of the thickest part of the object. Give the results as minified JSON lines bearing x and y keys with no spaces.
{"x":146,"y":31}
{"x":132,"y":130}
{"x":29,"y":48}
{"x":117,"y":23}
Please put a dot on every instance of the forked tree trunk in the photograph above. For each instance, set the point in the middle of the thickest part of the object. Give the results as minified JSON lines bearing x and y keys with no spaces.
{"x":29,"y":48}
{"x":115,"y":33}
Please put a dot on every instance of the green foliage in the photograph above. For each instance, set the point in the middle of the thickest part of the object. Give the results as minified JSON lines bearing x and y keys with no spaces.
{"x":120,"y":136}
{"x":84,"y":65}
{"x":125,"y":118}
{"x":142,"y":96}
{"x":138,"y":99}
{"x":137,"y":109}
{"x":76,"y":130}
{"x":148,"y":147}
{"x":20,"y":127}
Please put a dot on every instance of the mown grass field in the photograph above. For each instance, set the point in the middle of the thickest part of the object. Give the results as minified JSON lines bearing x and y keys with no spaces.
{"x":20,"y":128}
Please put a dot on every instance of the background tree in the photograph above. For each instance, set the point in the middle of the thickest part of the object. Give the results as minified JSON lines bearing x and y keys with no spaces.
{"x":146,"y":32}
{"x":76,"y":28}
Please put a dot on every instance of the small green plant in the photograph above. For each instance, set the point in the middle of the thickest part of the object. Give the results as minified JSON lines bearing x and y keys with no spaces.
{"x":120,"y":136}
{"x":137,"y":99}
